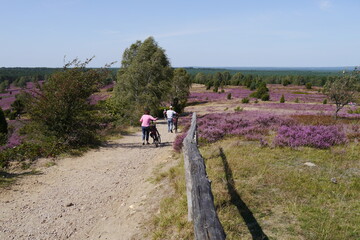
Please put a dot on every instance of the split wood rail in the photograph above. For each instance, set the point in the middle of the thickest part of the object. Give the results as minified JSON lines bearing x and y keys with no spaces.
{"x":201,"y":209}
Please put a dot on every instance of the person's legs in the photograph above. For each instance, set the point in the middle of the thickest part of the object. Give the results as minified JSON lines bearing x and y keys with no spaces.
{"x":143,"y":134}
{"x":169,"y":124}
{"x":147,"y":135}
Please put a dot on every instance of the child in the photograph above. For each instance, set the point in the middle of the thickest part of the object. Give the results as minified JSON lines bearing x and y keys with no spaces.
{"x":145,"y":123}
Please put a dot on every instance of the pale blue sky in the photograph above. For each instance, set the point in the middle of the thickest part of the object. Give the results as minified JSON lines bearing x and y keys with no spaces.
{"x":226,"y":33}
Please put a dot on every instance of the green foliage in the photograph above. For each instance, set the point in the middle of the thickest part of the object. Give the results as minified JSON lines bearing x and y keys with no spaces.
{"x":308,"y":85}
{"x":3,"y":123}
{"x":61,"y":107}
{"x":3,"y":86}
{"x":282,"y":99}
{"x":237,"y":79}
{"x":261,"y":92}
{"x":144,"y":79}
{"x":18,"y":106}
{"x":228,"y":96}
{"x":245,"y":100}
{"x":356,"y":111}
{"x":180,"y":89}
{"x":343,"y":90}
{"x":253,"y":86}
{"x":238,"y":109}
{"x":265,"y":97}
{"x":286,"y":82}
{"x":3,"y":128}
{"x":325,"y":101}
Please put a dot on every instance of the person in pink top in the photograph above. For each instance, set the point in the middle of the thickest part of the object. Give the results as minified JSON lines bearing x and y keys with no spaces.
{"x":145,"y":123}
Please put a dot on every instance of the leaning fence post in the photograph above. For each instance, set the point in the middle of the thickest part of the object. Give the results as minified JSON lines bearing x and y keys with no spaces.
{"x":190,"y":137}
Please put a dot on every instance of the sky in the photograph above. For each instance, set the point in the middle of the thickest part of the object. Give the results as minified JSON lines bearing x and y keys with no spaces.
{"x":198,"y":33}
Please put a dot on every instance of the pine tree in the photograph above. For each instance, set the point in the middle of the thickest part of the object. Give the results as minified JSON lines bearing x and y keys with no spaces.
{"x":282,"y":99}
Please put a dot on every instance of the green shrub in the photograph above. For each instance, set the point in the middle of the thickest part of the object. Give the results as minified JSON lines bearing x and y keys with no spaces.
{"x":308,"y":85}
{"x":245,"y":100}
{"x":238,"y":109}
{"x":12,"y":115}
{"x":260,"y":91}
{"x":282,"y":99}
{"x":3,"y":123}
{"x":62,"y":109}
{"x":265,"y":97}
{"x":228,"y":96}
{"x":356,"y":111}
{"x":3,"y":138}
{"x":325,"y":101}
{"x":7,"y":112}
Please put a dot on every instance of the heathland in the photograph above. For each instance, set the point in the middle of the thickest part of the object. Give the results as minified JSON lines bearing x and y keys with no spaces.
{"x":278,"y":146}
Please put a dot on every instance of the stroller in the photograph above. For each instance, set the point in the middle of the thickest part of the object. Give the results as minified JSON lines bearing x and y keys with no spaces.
{"x":154,"y":134}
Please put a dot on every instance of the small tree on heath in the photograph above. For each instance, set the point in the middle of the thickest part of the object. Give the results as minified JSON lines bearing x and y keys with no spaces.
{"x":3,"y":128}
{"x":61,"y":106}
{"x":343,"y":90}
{"x":282,"y":99}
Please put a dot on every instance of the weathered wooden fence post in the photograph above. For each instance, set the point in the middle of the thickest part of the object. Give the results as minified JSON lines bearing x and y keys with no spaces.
{"x":200,"y":199}
{"x":190,"y":137}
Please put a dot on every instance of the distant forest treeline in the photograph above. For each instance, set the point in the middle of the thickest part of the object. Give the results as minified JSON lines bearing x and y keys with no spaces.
{"x":217,"y":76}
{"x":208,"y":76}
{"x":19,"y":76}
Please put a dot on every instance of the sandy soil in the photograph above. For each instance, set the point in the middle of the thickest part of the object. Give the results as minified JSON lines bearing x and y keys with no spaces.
{"x":104,"y":194}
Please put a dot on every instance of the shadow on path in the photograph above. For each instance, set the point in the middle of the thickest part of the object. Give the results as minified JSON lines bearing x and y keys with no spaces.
{"x":135,"y":145}
{"x":13,"y":175}
{"x":253,"y":226}
{"x":6,"y":178}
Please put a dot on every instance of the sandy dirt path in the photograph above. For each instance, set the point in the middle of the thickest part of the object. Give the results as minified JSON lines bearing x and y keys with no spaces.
{"x":104,"y":194}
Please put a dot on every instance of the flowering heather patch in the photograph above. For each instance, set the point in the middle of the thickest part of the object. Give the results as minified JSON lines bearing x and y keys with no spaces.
{"x":297,"y":106}
{"x":311,"y":136}
{"x":178,"y":143}
{"x":14,"y":139}
{"x":239,"y":92}
{"x":106,"y":87}
{"x":95,"y":98}
{"x":184,"y":122}
{"x":6,"y":101}
{"x":291,"y":93}
{"x":213,"y":127}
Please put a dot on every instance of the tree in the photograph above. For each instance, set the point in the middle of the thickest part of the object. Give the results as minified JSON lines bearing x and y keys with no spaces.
{"x":261,"y":92}
{"x":282,"y":99}
{"x":237,"y":79}
{"x":200,"y":78}
{"x":226,"y":77}
{"x":18,"y":106}
{"x":144,"y":79}
{"x":61,"y":108}
{"x":343,"y":90}
{"x":3,"y":128}
{"x":180,"y":89}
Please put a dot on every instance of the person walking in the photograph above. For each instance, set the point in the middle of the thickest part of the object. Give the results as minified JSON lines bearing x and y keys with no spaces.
{"x":170,"y":114}
{"x":145,"y":125}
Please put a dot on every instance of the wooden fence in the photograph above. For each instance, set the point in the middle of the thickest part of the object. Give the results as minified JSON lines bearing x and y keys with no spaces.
{"x":201,"y":209}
